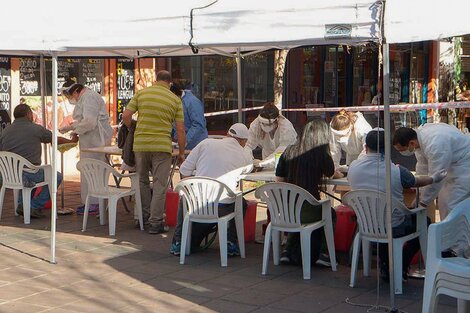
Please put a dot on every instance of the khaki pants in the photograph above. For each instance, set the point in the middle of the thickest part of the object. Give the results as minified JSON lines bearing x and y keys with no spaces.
{"x":159,"y":165}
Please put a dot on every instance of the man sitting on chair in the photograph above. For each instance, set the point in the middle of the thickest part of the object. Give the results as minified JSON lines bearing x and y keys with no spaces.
{"x":24,"y":138}
{"x":368,"y":173}
{"x":222,"y":159}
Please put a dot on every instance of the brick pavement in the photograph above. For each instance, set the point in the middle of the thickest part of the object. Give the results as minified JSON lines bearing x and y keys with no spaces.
{"x":133,"y":272}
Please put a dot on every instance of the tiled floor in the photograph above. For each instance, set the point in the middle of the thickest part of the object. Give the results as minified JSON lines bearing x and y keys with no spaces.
{"x":133,"y":272}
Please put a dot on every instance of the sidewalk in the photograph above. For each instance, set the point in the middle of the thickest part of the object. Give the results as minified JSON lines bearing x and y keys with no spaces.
{"x":133,"y":272}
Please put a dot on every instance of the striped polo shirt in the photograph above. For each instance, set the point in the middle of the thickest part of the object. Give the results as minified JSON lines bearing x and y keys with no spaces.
{"x":158,"y":108}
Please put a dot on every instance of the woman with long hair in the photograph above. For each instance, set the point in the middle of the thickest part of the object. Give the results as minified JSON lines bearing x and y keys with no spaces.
{"x":304,"y":164}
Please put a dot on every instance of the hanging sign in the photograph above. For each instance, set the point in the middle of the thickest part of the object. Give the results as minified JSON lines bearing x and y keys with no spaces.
{"x":5,"y":84}
{"x":125,"y":85}
{"x":338,"y":31}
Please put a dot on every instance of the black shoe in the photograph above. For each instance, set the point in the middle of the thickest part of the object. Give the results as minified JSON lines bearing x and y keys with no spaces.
{"x":285,"y":258}
{"x":35,"y":213}
{"x":159,"y":228}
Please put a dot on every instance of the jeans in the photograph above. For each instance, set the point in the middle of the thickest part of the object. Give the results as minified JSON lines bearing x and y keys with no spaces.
{"x":40,"y":200}
{"x":412,"y":246}
{"x":200,"y":230}
{"x":153,"y":201}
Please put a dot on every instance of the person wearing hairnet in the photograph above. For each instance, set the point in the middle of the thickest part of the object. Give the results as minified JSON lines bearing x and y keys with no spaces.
{"x":348,"y":134}
{"x":438,"y":147}
{"x":272,"y":132}
{"x":91,"y":124}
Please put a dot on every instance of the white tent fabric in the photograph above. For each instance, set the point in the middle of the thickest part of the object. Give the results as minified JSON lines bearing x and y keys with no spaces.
{"x":419,"y":20}
{"x":284,"y":24}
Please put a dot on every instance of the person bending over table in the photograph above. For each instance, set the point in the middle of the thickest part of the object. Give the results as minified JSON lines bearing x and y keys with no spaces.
{"x":225,"y":160}
{"x":305,"y":164}
{"x":91,"y":124}
{"x":24,"y":138}
{"x":368,"y":172}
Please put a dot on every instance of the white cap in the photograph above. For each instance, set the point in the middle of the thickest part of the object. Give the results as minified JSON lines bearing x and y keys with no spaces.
{"x":238,"y":130}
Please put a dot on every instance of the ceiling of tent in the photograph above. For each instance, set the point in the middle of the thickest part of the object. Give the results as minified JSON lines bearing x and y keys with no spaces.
{"x":284,"y":24}
{"x":419,"y":20}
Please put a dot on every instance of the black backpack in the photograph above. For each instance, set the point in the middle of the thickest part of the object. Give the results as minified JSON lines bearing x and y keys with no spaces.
{"x":125,"y":141}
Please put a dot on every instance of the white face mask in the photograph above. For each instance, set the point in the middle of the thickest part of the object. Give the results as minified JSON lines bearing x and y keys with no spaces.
{"x":344,"y":139}
{"x":72,"y":101}
{"x":267,"y":128}
{"x":408,"y":152}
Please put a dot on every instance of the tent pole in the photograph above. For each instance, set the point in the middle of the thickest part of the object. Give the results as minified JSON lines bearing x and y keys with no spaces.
{"x":239,"y":86}
{"x":42,"y":75}
{"x":388,"y":170}
{"x":54,"y":158}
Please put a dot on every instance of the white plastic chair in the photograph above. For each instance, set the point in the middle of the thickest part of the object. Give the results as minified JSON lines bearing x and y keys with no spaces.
{"x":449,"y":276}
{"x":12,"y":167}
{"x":285,"y":202}
{"x":201,"y":196}
{"x":97,"y":174}
{"x":370,"y":209}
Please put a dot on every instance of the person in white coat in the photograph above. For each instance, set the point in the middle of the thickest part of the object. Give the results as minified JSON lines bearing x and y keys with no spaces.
{"x":272,"y":132}
{"x":348,"y":134}
{"x":438,"y":147}
{"x":91,"y":124}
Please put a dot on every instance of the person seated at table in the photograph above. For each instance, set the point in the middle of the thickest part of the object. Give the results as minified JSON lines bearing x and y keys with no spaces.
{"x":348,"y":132}
{"x":272,"y":132}
{"x":24,"y":138}
{"x":194,"y":120}
{"x":305,"y":164}
{"x":368,"y":172}
{"x":225,"y":160}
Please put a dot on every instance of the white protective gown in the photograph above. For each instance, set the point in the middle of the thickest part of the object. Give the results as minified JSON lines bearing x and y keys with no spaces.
{"x":284,"y":136}
{"x":444,"y":147}
{"x":355,"y":144}
{"x":91,"y":123}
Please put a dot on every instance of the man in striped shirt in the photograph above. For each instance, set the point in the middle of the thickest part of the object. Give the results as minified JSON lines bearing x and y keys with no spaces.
{"x":158,"y":108}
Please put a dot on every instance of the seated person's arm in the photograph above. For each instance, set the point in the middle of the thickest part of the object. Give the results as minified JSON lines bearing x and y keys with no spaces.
{"x":188,"y":167}
{"x":62,"y":140}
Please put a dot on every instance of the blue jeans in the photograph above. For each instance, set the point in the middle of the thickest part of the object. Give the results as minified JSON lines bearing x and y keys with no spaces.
{"x":40,"y":200}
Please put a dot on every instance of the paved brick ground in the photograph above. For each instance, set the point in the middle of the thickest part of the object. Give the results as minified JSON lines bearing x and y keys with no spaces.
{"x":133,"y":272}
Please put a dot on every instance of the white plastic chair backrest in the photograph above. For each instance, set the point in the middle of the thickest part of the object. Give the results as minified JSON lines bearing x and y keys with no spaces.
{"x":453,"y":232}
{"x":11,"y":169}
{"x":370,"y":208}
{"x":96,"y":174}
{"x":201,"y":195}
{"x":284,"y":202}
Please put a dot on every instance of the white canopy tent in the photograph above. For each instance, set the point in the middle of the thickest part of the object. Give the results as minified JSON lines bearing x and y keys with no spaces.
{"x":148,"y":28}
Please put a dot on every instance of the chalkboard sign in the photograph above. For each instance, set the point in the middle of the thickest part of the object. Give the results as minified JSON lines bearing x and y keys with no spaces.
{"x":91,"y":74}
{"x":5,"y":84}
{"x":30,"y":77}
{"x":125,"y":85}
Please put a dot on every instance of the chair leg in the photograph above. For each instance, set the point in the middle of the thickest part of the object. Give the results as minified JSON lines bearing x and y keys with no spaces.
{"x":428,"y":292}
{"x":102,"y":211}
{"x":85,"y":213}
{"x":184,"y":238}
{"x":112,"y":211}
{"x":16,"y":197}
{"x":138,"y":205}
{"x":276,"y":239}
{"x":355,"y":259}
{"x":330,"y":242}
{"x":267,"y":244}
{"x":2,"y":196}
{"x":366,"y":260}
{"x":240,"y":234}
{"x":222,"y":232}
{"x":398,"y":266}
{"x":27,"y":205}
{"x":305,"y":238}
{"x":463,"y":306}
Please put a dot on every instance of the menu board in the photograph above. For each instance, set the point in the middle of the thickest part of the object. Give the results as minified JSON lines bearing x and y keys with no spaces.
{"x":125,"y":85}
{"x":30,"y":77}
{"x":5,"y":84}
{"x":91,"y":74}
